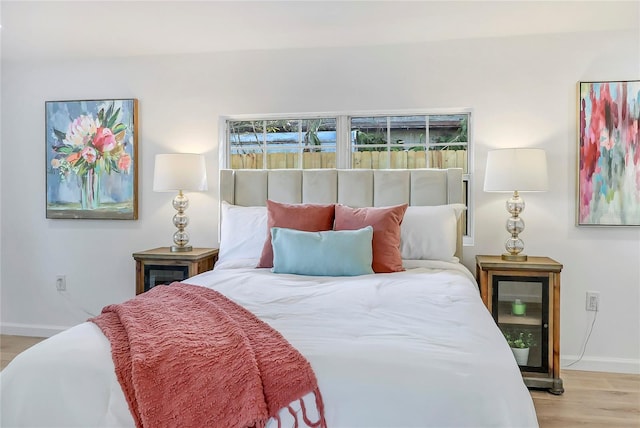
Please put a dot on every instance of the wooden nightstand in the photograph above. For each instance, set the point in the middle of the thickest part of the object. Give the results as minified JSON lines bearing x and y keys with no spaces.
{"x":161,"y":266}
{"x":525,"y":297}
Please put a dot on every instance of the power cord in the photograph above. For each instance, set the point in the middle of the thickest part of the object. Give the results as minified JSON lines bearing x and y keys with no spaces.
{"x":586,"y":341}
{"x":67,"y":297}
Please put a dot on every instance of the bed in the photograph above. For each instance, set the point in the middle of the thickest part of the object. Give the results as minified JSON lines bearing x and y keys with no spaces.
{"x":409,"y":348}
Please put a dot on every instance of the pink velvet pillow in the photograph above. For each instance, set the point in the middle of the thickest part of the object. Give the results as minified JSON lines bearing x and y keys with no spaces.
{"x":305,"y":217}
{"x":386,"y":223}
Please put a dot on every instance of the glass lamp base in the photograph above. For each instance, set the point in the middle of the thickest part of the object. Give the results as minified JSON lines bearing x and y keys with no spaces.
{"x":180,"y":220}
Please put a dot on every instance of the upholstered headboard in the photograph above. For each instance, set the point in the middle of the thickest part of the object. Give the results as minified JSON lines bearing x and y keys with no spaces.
{"x":353,"y":187}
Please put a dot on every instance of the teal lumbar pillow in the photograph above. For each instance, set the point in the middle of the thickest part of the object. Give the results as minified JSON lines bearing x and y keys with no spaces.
{"x":326,"y":253}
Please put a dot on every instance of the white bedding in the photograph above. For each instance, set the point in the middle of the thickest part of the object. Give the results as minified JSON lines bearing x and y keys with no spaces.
{"x":408,"y":349}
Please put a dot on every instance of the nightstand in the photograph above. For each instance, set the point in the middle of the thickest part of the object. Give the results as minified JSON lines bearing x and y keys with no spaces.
{"x":162,"y":266}
{"x":524,"y":297}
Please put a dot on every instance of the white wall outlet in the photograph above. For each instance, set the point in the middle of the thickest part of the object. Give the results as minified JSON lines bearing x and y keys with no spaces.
{"x":593,"y":301}
{"x":61,"y":282}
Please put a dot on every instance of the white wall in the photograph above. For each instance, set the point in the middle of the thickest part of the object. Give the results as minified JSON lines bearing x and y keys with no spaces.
{"x":522,"y":91}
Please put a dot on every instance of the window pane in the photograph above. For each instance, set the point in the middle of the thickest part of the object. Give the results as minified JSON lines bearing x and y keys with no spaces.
{"x":405,"y":139}
{"x":281,"y":158}
{"x":366,"y":158}
{"x":283,"y":143}
{"x":246,"y":144}
{"x":448,"y":141}
{"x":370,"y":132}
{"x":408,"y":130}
{"x":448,"y":129}
{"x":245,"y":132}
{"x":448,"y":157}
{"x":416,"y":157}
{"x":246,"y":157}
{"x":401,"y":138}
{"x":288,"y":143}
{"x":319,"y":143}
{"x":318,"y":134}
{"x":282,"y":134}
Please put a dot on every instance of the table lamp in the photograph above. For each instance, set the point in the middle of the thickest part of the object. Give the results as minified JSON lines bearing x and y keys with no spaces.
{"x":180,"y":172}
{"x":516,"y":170}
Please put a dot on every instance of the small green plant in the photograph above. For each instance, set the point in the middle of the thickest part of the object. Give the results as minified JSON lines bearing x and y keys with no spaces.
{"x":520,"y":340}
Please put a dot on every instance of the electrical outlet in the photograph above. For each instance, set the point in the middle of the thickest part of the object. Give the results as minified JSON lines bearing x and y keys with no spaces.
{"x":61,"y":282}
{"x":593,"y":301}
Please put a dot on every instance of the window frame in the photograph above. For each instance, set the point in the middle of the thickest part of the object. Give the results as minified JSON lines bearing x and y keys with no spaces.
{"x":344,"y":147}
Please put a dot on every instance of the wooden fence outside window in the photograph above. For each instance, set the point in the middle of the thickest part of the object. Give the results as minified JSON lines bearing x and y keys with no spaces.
{"x":363,"y":160}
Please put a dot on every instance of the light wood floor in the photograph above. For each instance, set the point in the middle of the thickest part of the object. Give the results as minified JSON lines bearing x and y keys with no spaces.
{"x":591,"y":399}
{"x":10,"y":346}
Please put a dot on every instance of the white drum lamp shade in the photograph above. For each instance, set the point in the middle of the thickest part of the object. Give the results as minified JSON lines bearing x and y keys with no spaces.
{"x":522,"y":170}
{"x":179,"y":171}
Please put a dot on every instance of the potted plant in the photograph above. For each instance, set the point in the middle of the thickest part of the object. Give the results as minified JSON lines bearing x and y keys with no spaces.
{"x":520,"y":342}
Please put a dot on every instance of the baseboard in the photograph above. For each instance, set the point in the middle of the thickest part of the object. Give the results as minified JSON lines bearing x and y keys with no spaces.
{"x":30,"y":330}
{"x":594,"y":364}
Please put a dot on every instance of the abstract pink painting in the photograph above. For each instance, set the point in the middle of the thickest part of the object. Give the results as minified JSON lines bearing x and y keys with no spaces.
{"x":609,"y":154}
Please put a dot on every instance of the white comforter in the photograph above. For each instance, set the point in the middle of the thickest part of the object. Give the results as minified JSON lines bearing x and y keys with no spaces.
{"x":409,"y":349}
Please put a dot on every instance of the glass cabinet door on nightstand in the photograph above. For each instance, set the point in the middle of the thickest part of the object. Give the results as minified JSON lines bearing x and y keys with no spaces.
{"x":164,"y":274}
{"x":520,"y":306}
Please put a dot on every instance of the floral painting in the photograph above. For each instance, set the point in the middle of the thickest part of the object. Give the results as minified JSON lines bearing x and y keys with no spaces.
{"x":609,"y":154}
{"x":92,"y":159}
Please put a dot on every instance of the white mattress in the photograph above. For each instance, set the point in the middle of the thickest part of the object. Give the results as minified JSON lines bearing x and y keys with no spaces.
{"x":409,"y":349}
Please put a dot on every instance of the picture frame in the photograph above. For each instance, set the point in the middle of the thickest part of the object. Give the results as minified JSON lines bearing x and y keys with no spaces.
{"x":608,"y":182}
{"x":92,"y":159}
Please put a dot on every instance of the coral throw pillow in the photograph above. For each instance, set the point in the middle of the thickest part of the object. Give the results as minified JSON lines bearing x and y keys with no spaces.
{"x":305,"y":217}
{"x":386,"y":223}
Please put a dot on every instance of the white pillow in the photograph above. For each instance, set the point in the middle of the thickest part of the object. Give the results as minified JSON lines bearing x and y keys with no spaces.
{"x":243,"y":231}
{"x":430,"y":232}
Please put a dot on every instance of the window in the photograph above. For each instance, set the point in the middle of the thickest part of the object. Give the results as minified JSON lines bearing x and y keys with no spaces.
{"x":287,"y":143}
{"x":433,"y":141}
{"x":377,"y":141}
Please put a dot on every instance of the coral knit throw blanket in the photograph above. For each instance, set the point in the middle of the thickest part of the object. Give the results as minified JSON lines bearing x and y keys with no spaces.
{"x":186,"y":356}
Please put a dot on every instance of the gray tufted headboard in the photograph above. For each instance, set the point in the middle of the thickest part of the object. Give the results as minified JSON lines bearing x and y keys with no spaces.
{"x":353,"y":187}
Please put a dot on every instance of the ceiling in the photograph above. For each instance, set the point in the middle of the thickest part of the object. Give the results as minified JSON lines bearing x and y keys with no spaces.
{"x":48,"y":30}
